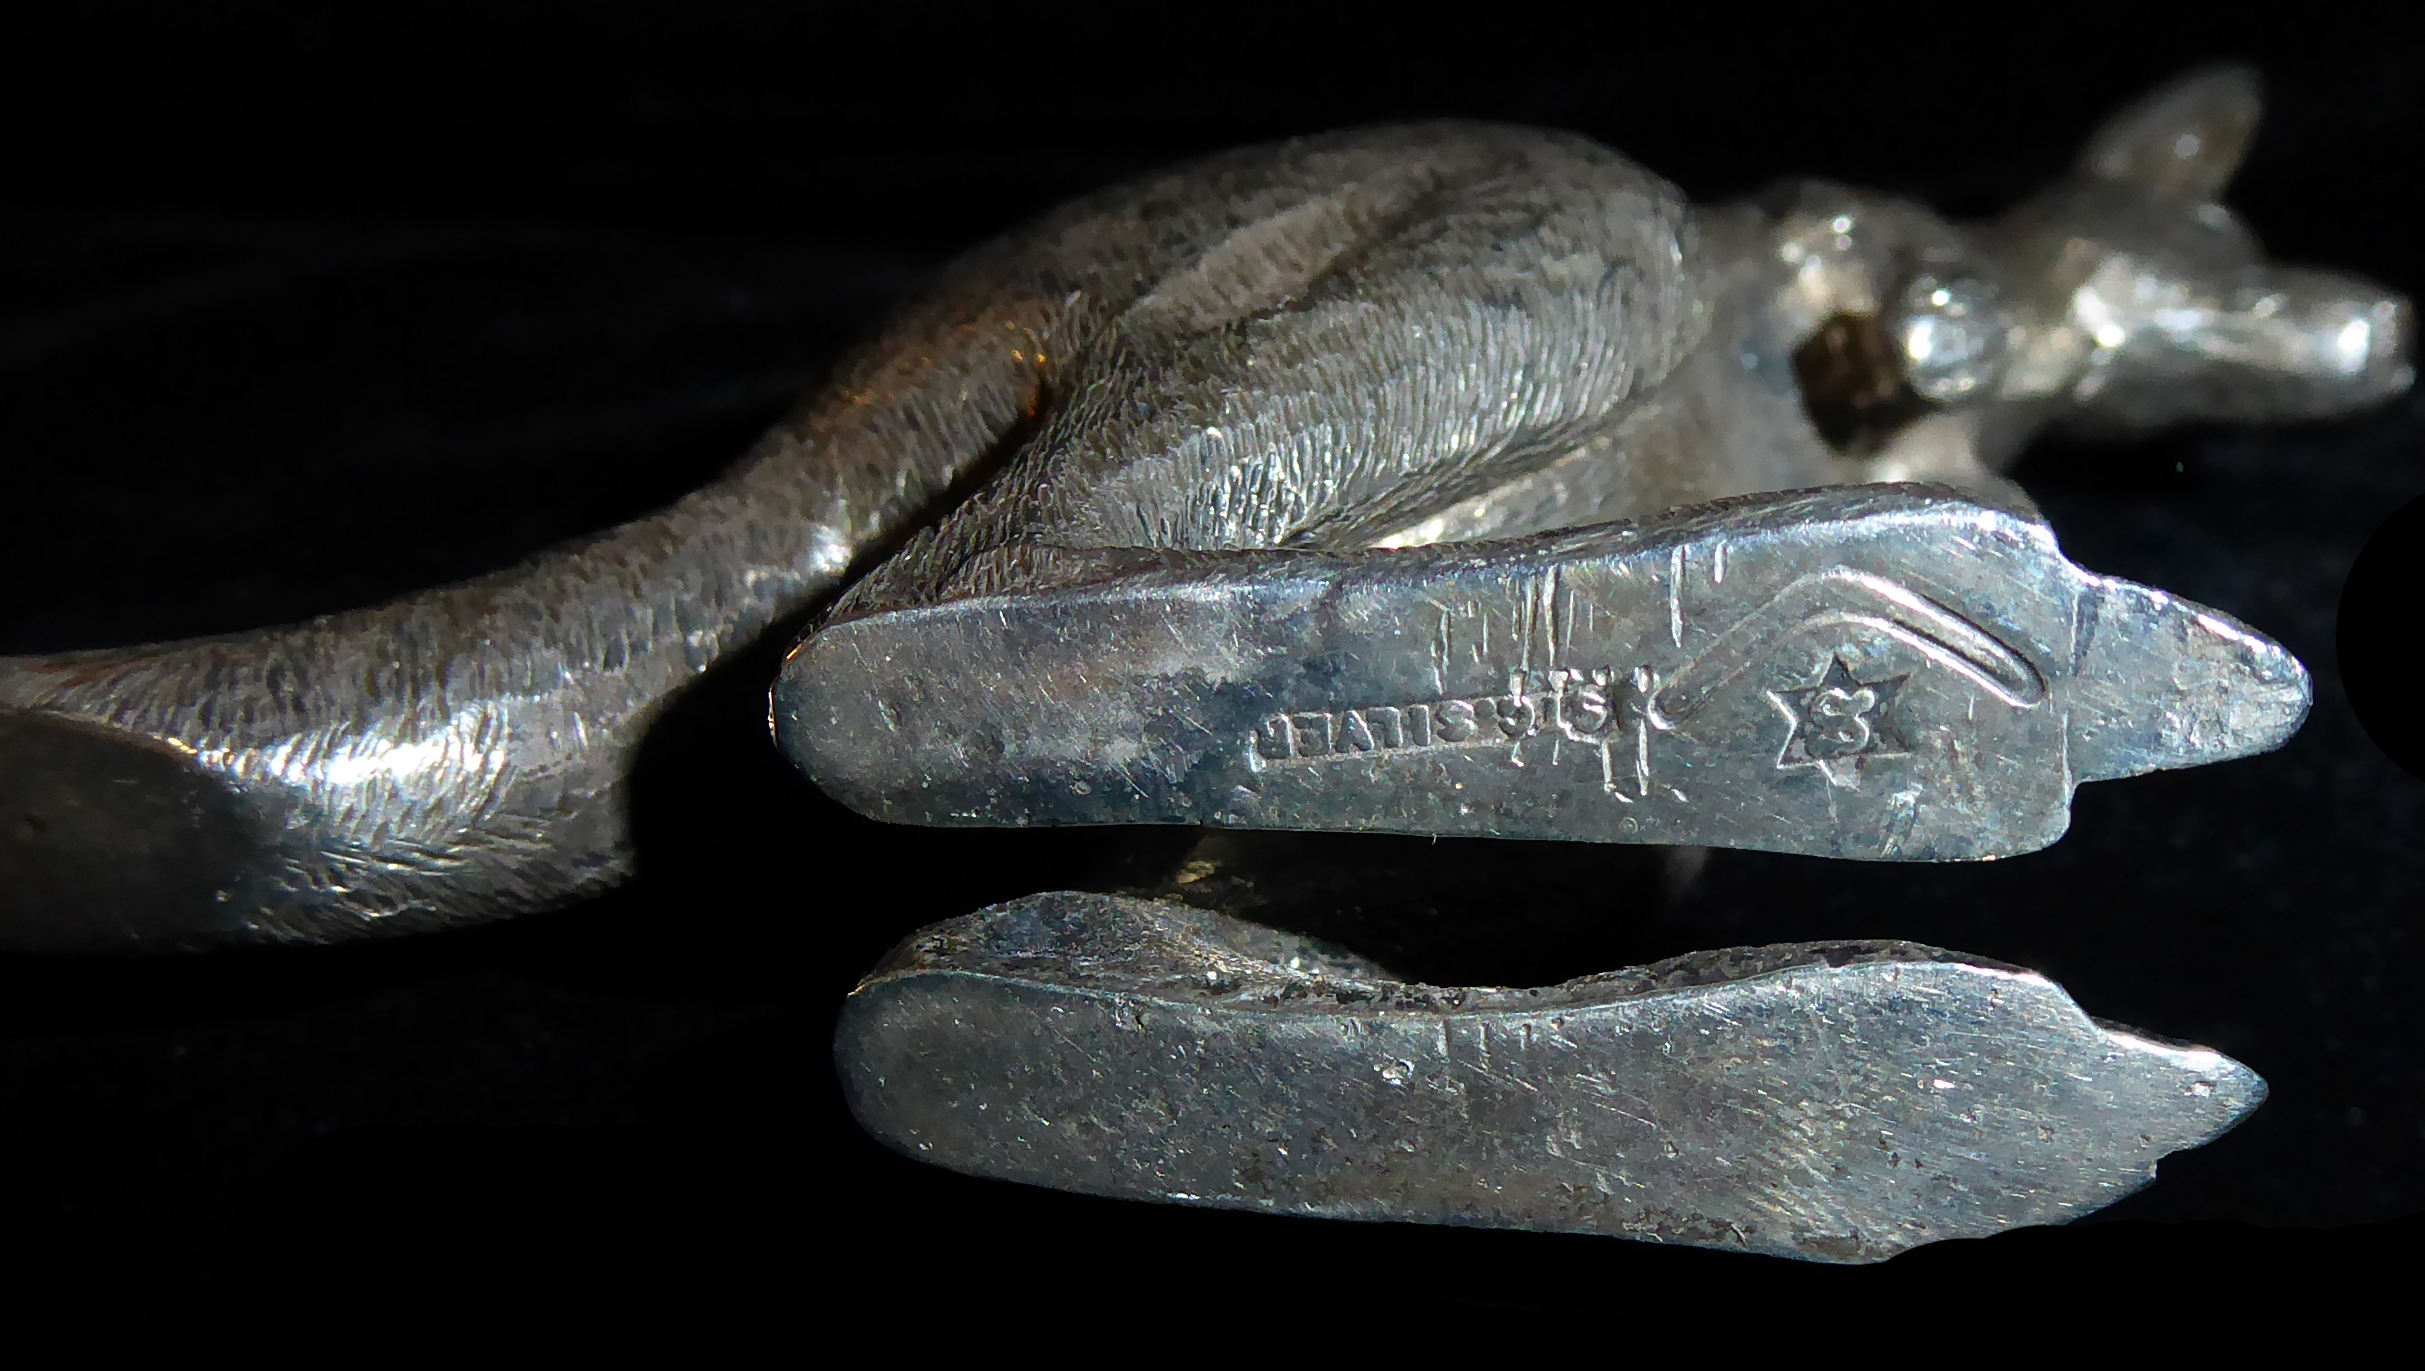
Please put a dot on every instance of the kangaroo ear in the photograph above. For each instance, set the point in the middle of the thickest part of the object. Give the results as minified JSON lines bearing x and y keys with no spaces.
{"x":2186,"y":139}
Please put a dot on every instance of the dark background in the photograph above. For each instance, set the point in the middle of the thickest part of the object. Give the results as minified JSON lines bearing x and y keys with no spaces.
{"x":296,"y":314}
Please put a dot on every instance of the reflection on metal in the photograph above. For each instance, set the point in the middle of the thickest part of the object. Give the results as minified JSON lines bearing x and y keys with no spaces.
{"x":1836,"y":1102}
{"x":1374,"y":339}
{"x":1236,"y":586}
{"x":1753,"y":578}
{"x":1875,"y":672}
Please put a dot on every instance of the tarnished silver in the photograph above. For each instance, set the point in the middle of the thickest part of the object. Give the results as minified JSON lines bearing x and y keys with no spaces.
{"x":1381,"y":338}
{"x":1837,"y":1102}
{"x":1757,"y":580}
{"x":1234,"y":581}
{"x":1871,"y":672}
{"x":1195,"y":597}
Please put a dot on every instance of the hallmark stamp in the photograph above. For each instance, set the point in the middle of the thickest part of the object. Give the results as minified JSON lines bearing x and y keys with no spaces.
{"x":1839,"y":720}
{"x":1583,"y":705}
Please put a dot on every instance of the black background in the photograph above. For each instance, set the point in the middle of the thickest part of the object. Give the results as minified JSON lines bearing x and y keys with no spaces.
{"x":300,"y":313}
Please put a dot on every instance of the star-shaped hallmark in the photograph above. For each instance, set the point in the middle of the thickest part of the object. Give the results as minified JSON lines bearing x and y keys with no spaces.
{"x":1839,"y":721}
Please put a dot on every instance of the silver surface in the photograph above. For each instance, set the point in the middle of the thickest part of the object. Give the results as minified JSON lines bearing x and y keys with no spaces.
{"x":1169,"y":609}
{"x":1380,"y":338}
{"x":1836,"y":1102}
{"x":1876,"y":672}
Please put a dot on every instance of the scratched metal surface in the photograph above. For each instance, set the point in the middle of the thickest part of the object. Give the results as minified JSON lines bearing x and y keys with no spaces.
{"x":1428,"y":352}
{"x":580,"y":374}
{"x":1878,"y":672}
{"x":463,"y":755}
{"x":1333,"y":341}
{"x":1831,"y":1103}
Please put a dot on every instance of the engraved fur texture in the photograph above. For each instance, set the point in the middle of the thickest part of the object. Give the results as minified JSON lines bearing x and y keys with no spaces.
{"x":463,"y":754}
{"x":1382,"y":337}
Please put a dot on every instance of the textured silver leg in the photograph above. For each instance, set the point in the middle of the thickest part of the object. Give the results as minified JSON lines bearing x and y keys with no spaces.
{"x":1380,"y":337}
{"x":1867,"y":672}
{"x":1834,"y":1102}
{"x":1239,"y":581}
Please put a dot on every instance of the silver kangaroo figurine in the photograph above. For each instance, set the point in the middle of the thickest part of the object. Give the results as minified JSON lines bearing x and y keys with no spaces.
{"x":1373,"y":344}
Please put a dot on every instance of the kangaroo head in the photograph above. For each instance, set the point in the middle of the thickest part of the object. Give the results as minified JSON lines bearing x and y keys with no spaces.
{"x":2144,"y":301}
{"x":2125,"y":296}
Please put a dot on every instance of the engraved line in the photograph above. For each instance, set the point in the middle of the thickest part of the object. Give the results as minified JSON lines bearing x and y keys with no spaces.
{"x":1520,"y":625}
{"x":2028,"y":690}
{"x":1442,"y":645}
{"x":1825,"y":599}
{"x":2087,"y":614}
{"x":1675,"y":595}
{"x":1550,"y":589}
{"x":1643,"y":684}
{"x":2069,"y":785}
